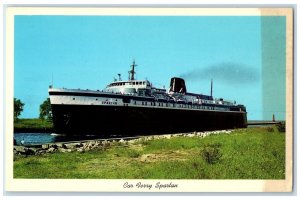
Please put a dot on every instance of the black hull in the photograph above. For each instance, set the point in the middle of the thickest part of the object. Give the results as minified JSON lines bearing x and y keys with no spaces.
{"x":126,"y":120}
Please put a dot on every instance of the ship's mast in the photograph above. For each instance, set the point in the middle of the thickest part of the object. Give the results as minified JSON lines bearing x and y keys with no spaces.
{"x":211,"y":87}
{"x":132,"y":72}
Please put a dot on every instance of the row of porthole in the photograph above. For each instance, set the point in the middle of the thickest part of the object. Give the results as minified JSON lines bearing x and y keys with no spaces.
{"x":161,"y":104}
{"x":180,"y":106}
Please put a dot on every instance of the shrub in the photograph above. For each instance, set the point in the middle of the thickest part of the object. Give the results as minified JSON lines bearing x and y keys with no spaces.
{"x":281,"y":127}
{"x":270,"y":129}
{"x":211,"y":153}
{"x":133,"y":154}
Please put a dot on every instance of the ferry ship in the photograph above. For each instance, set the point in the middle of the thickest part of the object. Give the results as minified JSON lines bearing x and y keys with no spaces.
{"x":135,"y":107}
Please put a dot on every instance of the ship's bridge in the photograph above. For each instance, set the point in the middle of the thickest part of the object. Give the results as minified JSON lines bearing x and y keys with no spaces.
{"x":133,"y":87}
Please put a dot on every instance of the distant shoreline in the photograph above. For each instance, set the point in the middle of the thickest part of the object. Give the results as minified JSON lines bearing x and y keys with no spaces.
{"x":34,"y":125}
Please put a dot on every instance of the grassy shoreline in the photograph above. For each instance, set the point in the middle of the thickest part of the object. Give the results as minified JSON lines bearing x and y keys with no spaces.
{"x":32,"y":125}
{"x":252,"y":153}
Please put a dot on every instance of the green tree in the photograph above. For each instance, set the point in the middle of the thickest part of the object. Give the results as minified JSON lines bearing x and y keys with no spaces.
{"x":45,"y":110}
{"x":18,"y":108}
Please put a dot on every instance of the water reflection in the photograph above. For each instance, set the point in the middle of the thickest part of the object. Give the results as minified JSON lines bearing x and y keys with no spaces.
{"x":33,"y":138}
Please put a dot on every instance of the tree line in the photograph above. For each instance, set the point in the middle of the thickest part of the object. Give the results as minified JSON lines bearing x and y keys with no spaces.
{"x":45,"y":109}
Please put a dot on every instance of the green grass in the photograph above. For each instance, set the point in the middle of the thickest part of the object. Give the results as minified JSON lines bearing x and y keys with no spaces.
{"x":253,"y":153}
{"x":33,"y":124}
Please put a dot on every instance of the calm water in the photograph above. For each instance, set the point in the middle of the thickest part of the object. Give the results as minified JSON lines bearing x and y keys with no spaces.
{"x":34,"y":138}
{"x":43,"y":138}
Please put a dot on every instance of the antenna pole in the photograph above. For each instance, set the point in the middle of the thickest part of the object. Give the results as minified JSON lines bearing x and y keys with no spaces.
{"x":132,"y":72}
{"x":211,"y":87}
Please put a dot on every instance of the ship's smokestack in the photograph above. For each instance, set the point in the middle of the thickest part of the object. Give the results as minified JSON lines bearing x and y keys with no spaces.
{"x":177,"y":85}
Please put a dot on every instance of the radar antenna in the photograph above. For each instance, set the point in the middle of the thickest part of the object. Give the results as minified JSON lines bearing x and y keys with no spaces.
{"x":132,"y":72}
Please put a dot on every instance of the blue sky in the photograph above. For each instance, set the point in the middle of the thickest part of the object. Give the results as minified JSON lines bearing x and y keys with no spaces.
{"x":88,"y":51}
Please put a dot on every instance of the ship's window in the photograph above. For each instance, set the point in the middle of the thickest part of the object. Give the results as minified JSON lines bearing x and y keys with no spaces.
{"x":140,"y":83}
{"x":134,"y":102}
{"x":96,"y":99}
{"x":73,"y":98}
{"x":145,"y":103}
{"x":142,"y":103}
{"x":133,"y":83}
{"x":144,"y":83}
